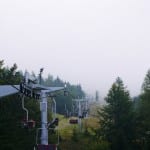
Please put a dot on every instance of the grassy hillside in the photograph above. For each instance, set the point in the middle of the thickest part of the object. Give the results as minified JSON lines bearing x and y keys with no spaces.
{"x":71,"y":138}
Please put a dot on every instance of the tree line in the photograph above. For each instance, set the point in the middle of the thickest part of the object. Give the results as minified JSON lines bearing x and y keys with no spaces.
{"x":124,"y":122}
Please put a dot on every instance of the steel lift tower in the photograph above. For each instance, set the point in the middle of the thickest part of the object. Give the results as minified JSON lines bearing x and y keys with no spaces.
{"x":81,"y":106}
{"x":30,"y":88}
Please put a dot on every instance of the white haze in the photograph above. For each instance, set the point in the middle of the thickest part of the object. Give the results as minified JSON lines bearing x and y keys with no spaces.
{"x":90,"y":42}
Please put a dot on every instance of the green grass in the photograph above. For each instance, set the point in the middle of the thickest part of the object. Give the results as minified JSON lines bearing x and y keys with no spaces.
{"x":66,"y":129}
{"x":71,"y":138}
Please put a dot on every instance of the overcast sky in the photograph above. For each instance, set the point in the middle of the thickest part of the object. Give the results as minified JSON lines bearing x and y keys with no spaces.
{"x":90,"y":42}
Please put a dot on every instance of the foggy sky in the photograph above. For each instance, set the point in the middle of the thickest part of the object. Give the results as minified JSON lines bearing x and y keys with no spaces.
{"x":90,"y":42}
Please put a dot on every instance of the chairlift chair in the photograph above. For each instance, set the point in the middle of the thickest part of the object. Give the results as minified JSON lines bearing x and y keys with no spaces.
{"x":73,"y":121}
{"x":26,"y":123}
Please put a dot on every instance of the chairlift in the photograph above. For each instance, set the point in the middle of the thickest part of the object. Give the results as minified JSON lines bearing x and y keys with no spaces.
{"x":73,"y":121}
{"x":54,"y":122}
{"x":81,"y":117}
{"x":26,"y":123}
{"x":31,"y":123}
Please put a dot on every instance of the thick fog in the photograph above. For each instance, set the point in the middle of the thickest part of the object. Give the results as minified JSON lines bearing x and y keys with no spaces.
{"x":90,"y":42}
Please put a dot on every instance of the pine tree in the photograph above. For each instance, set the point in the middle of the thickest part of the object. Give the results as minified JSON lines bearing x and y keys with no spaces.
{"x":143,"y":119}
{"x":116,"y":118}
{"x":12,"y":135}
{"x":146,"y":83}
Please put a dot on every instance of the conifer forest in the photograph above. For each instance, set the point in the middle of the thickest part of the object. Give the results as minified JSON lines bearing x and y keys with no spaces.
{"x":121,"y":122}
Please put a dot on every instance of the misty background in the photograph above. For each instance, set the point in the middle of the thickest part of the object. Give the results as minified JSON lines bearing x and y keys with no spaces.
{"x":90,"y":42}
